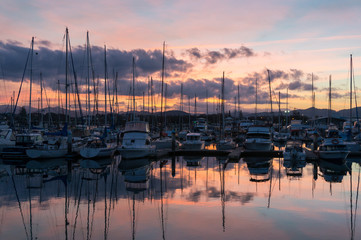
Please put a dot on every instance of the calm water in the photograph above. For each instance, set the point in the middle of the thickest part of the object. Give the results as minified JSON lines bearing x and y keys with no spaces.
{"x":180,"y":198}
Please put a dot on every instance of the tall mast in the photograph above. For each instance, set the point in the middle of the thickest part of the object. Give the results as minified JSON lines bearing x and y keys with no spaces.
{"x":207,"y":105}
{"x":66,"y":74}
{"x":238,"y":110}
{"x":256,"y":99}
{"x":270,"y":92}
{"x":88,"y":75}
{"x":351,"y":88}
{"x":105,"y":83}
{"x":41,"y":100}
{"x":313,"y":101}
{"x":222,"y":107}
{"x":133,"y":89}
{"x":329,"y":101}
{"x":31,"y":79}
{"x":279,"y":111}
{"x":195,"y":105}
{"x":161,"y":94}
{"x":165,"y":105}
{"x":287,"y":109}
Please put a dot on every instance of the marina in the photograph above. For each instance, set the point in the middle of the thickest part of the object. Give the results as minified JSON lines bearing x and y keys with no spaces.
{"x":180,"y":120}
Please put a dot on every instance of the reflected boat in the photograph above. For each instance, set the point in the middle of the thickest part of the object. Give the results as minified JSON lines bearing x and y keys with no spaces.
{"x":136,"y":173}
{"x":294,"y":167}
{"x":259,"y":168}
{"x":333,"y":172}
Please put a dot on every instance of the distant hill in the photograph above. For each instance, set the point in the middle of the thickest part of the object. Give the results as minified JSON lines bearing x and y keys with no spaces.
{"x":306,"y":112}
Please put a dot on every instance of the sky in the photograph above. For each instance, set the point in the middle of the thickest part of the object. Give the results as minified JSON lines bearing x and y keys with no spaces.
{"x":243,"y":39}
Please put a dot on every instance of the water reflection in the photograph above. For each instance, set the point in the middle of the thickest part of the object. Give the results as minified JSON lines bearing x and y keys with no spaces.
{"x":260,"y":168}
{"x":179,"y":198}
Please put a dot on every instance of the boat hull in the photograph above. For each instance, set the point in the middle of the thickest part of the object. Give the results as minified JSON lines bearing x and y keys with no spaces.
{"x":132,"y":153}
{"x":193,"y":145}
{"x":258,"y":146}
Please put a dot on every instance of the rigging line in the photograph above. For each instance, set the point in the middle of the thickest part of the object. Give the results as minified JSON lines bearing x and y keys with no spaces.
{"x":22,"y":80}
{"x":76,"y":82}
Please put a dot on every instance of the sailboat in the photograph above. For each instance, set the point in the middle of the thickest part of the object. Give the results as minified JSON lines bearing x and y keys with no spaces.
{"x":163,"y":142}
{"x":136,"y":140}
{"x":100,"y":147}
{"x":23,"y":141}
{"x":225,"y":143}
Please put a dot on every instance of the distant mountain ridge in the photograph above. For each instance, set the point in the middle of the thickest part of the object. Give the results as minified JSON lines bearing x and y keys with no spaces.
{"x":344,"y":113}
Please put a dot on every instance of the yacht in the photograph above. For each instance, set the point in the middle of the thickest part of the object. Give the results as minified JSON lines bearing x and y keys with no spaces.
{"x":137,"y":141}
{"x":193,"y":142}
{"x":333,"y":149}
{"x":258,"y":138}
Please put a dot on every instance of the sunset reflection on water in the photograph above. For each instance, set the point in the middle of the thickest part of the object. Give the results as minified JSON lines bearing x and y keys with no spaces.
{"x":179,"y":198}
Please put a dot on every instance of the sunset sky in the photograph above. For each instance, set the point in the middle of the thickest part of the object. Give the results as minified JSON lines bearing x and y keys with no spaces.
{"x":243,"y":38}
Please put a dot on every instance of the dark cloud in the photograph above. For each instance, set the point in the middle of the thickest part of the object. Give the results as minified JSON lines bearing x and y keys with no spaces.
{"x":52,"y":63}
{"x":212,"y":57}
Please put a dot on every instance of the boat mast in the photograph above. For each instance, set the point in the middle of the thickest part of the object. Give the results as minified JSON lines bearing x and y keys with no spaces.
{"x":255,"y":115}
{"x":222,"y":107}
{"x":238,"y":110}
{"x":161,"y":94}
{"x":279,"y":111}
{"x":133,"y":89}
{"x":329,"y":101}
{"x":313,"y":102}
{"x":41,"y":101}
{"x":31,"y":79}
{"x":105,"y":83}
{"x":88,"y":75}
{"x":207,"y":105}
{"x":351,"y":88}
{"x":270,"y":92}
{"x":287,"y":109}
{"x":66,"y":74}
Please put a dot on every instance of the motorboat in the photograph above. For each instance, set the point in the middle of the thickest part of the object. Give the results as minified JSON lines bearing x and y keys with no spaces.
{"x":193,"y":142}
{"x":137,"y":141}
{"x":333,"y":149}
{"x":258,"y":138}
